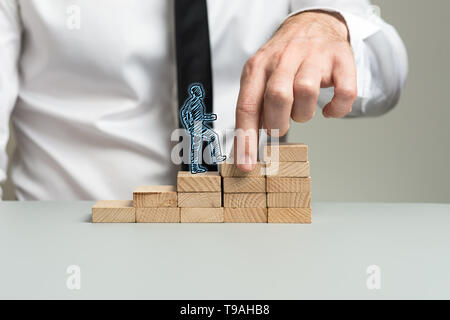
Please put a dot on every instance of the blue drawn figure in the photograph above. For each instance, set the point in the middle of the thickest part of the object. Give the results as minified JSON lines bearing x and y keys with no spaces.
{"x":194,"y":120}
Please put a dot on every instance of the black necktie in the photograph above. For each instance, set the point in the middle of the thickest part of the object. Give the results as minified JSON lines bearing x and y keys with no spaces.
{"x":193,"y":52}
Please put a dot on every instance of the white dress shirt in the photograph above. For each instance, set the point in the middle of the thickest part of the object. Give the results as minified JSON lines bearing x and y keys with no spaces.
{"x":90,"y":85}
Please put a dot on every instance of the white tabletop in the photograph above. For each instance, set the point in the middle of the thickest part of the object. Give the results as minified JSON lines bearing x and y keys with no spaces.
{"x":327,"y":259}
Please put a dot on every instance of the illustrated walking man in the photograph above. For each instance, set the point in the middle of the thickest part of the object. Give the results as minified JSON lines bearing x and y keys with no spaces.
{"x":195,"y":120}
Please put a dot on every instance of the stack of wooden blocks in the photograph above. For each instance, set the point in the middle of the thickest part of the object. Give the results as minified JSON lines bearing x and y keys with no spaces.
{"x":274,"y":191}
{"x":288,"y":184}
{"x":156,"y":204}
{"x":244,"y":194}
{"x":200,"y":197}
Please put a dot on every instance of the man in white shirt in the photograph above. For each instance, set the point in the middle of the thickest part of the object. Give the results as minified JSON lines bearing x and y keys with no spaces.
{"x":90,"y":86}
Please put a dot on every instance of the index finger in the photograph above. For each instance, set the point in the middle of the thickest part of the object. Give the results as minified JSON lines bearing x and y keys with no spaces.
{"x":248,"y":113}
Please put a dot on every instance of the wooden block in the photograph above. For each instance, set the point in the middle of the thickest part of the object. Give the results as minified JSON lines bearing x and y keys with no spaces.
{"x":196,"y":215}
{"x":289,"y":200}
{"x":244,"y":200}
{"x":231,"y":170}
{"x":158,"y":215}
{"x":245,"y":215}
{"x":291,"y":152}
{"x":283,"y":184}
{"x":288,"y":169}
{"x":113,"y":211}
{"x":199,"y":199}
{"x":247,"y":185}
{"x":289,"y":215}
{"x":155,"y":197}
{"x":200,"y":182}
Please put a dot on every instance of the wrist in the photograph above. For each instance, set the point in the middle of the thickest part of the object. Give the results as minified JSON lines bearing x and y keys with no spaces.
{"x":333,"y":23}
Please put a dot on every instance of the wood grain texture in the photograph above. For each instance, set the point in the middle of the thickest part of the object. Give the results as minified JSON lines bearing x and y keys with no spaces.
{"x":155,"y":196}
{"x":200,"y":182}
{"x":284,"y":184}
{"x":231,"y":170}
{"x":201,"y":215}
{"x":244,"y":200}
{"x":289,"y":200}
{"x":158,"y":215}
{"x":247,"y":185}
{"x":245,"y":215}
{"x":289,"y":215}
{"x":199,"y":199}
{"x":114,"y":211}
{"x":287,"y":152}
{"x":288,"y":169}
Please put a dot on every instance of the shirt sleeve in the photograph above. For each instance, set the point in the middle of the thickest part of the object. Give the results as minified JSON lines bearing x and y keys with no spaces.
{"x":380,"y":55}
{"x":10,"y":34}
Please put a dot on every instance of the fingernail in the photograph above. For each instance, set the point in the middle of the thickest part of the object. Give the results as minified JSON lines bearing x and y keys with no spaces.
{"x":246,"y":167}
{"x":246,"y":162}
{"x":241,"y":159}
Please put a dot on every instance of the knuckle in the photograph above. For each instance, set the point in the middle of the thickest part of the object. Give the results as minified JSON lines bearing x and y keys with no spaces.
{"x":277,"y":55}
{"x":279,"y":95}
{"x":306,"y":88}
{"x":347,"y":93}
{"x":254,"y":63}
{"x":248,"y":108}
{"x":284,"y":55}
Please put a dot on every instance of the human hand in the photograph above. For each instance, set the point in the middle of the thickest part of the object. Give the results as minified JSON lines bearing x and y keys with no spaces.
{"x":282,"y":80}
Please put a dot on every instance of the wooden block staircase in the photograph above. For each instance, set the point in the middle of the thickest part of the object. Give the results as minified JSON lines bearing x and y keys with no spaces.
{"x":277,"y":190}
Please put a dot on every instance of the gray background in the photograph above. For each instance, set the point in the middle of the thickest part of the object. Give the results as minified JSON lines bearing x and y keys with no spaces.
{"x":325,"y":260}
{"x":404,"y":155}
